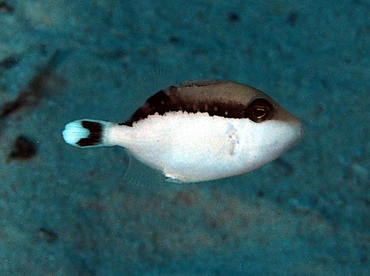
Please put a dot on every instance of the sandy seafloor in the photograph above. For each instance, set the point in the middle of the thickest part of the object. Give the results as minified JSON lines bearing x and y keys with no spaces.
{"x":68,"y":211}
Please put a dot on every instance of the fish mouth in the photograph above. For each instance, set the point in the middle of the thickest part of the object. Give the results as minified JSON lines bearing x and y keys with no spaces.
{"x":294,"y":131}
{"x":294,"y":125}
{"x":298,"y":130}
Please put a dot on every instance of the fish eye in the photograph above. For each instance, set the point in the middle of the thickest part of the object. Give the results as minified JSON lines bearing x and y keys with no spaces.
{"x":259,"y":110}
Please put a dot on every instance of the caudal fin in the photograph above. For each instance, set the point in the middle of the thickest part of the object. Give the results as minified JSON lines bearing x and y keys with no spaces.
{"x":85,"y":133}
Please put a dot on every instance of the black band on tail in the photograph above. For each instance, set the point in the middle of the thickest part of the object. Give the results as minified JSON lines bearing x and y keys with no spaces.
{"x":95,"y":134}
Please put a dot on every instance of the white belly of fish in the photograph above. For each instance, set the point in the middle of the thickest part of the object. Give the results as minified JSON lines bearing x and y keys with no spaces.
{"x":197,"y":147}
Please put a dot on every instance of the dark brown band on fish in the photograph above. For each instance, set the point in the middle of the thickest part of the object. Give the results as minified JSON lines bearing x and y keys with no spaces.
{"x":166,"y":101}
{"x":95,"y":134}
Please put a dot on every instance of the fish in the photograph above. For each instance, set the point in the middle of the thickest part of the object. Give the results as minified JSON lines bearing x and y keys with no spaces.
{"x":197,"y":131}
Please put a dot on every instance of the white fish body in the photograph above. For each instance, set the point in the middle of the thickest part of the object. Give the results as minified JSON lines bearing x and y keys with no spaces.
{"x":198,"y":131}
